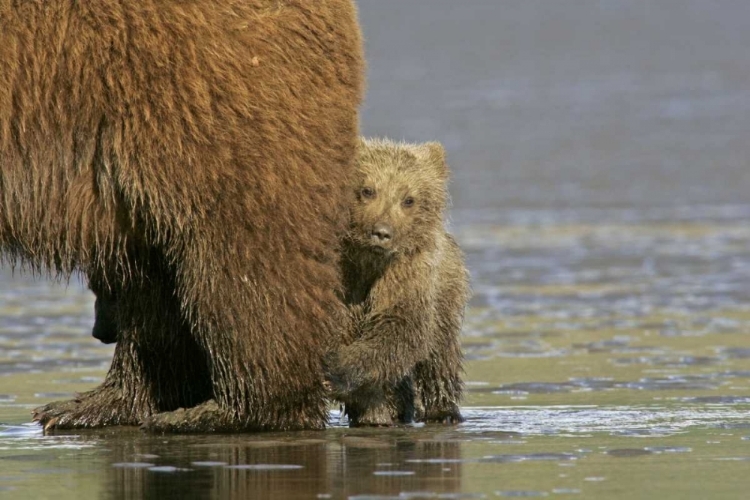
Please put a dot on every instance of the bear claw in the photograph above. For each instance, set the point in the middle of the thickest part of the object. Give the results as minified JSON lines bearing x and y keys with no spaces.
{"x":101,"y":407}
{"x":204,"y":418}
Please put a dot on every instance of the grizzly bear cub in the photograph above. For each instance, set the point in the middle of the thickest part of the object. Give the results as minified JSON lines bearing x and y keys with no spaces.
{"x":406,"y":287}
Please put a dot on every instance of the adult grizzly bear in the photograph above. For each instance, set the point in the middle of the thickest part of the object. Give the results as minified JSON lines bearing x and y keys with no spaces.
{"x":192,"y":160}
{"x":406,"y":287}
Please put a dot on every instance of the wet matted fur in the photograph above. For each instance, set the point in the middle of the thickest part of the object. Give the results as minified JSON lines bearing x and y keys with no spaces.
{"x":192,"y":159}
{"x":406,"y":287}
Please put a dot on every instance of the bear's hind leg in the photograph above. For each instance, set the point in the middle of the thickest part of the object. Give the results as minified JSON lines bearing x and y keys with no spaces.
{"x":440,"y":389}
{"x":262,"y":337}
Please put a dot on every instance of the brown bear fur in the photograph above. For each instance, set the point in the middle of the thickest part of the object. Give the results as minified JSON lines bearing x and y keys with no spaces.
{"x":406,"y":287}
{"x":191,"y":159}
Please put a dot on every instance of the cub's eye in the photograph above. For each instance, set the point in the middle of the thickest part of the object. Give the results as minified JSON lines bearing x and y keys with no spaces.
{"x":408,"y":202}
{"x":367,"y":192}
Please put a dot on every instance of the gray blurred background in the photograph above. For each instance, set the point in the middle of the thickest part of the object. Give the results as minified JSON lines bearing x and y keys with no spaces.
{"x":550,"y":110}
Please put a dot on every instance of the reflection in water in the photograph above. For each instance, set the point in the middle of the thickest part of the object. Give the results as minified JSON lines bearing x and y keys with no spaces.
{"x":398,"y":466}
{"x":337,"y":464}
{"x":274,"y":469}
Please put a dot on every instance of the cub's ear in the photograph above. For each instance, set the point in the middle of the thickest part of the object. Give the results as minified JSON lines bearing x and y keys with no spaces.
{"x":362,"y":144}
{"x":434,"y":154}
{"x":363,"y":151}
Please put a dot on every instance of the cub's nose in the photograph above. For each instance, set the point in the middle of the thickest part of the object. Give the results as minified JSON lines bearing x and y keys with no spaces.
{"x":382,"y":232}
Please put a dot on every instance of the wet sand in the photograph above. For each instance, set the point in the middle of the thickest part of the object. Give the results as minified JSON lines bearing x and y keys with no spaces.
{"x":601,"y":193}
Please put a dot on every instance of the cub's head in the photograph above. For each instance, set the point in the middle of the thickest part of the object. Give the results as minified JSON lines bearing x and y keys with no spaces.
{"x":401,"y":193}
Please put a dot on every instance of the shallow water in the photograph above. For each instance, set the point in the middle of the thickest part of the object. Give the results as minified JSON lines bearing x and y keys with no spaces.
{"x":599,"y":159}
